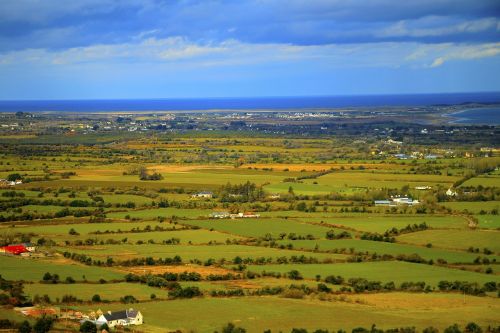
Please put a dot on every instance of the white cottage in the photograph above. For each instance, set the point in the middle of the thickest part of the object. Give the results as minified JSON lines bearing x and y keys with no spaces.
{"x":120,"y":318}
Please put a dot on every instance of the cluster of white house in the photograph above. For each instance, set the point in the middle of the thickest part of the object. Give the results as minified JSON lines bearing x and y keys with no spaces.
{"x":203,"y":195}
{"x":225,"y":215}
{"x":5,"y":182}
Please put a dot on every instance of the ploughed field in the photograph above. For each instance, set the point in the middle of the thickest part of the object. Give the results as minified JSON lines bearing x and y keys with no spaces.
{"x":315,"y":252}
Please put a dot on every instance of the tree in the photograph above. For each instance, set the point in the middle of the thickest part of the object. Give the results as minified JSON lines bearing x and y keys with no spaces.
{"x":43,"y":325}
{"x":231,"y":328}
{"x":13,"y":177}
{"x":96,"y":298}
{"x":295,"y":275}
{"x":25,"y":327}
{"x":453,"y":329}
{"x":473,"y":328}
{"x":88,"y":327}
{"x":299,"y":330}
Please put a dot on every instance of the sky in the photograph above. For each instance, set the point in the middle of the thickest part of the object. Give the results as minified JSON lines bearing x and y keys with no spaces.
{"x":98,"y":49}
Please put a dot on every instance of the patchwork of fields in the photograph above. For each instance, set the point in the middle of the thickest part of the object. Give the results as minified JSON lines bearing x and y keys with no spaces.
{"x":313,"y":251}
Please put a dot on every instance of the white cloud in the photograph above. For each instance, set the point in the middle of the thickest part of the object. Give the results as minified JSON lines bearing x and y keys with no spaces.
{"x":437,"y":62}
{"x":179,"y":51}
{"x":466,"y":52}
{"x":433,"y":27}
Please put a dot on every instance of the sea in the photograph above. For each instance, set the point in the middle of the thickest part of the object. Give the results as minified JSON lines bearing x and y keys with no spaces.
{"x":479,"y":116}
{"x":474,"y":115}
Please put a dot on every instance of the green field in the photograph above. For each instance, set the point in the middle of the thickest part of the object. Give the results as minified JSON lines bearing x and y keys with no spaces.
{"x":16,"y":268}
{"x":385,"y":248}
{"x":380,"y":224}
{"x":190,"y":252}
{"x":261,"y":226}
{"x":455,"y":239}
{"x":384,"y":271}
{"x":85,"y":291}
{"x":473,"y":207}
{"x":484,"y":180}
{"x":148,"y":214}
{"x":489,"y":221}
{"x":281,"y":314}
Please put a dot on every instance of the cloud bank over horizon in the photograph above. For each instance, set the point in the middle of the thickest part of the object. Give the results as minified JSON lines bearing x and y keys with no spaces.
{"x":188,"y":48}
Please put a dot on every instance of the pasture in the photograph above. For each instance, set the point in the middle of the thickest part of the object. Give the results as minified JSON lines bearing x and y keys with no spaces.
{"x":257,"y":314}
{"x":259,"y":227}
{"x":455,"y":239}
{"x":85,"y":291}
{"x":385,"y":271}
{"x":393,"y":249}
{"x":190,"y":252}
{"x":16,"y":268}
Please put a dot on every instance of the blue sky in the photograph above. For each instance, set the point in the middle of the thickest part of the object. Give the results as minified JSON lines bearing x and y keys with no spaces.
{"x":80,"y":49}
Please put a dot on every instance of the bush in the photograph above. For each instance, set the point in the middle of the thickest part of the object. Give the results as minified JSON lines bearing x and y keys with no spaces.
{"x":293,"y":293}
{"x":43,"y":325}
{"x":25,"y":327}
{"x":473,"y":328}
{"x":88,"y":327}
{"x":294,"y":275}
{"x":231,"y":328}
{"x":128,"y":299}
{"x":430,"y":329}
{"x":453,"y":329}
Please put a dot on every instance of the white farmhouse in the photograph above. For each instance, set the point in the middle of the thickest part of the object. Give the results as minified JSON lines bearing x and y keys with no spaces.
{"x":203,"y":194}
{"x":451,"y":193}
{"x":120,"y":318}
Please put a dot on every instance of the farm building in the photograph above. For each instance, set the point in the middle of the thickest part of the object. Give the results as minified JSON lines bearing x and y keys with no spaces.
{"x":219,"y":215}
{"x":16,"y":249}
{"x":29,"y":246}
{"x":36,"y":312}
{"x":244,"y":215}
{"x":203,"y":194}
{"x":120,"y":318}
{"x":405,"y":201}
{"x":383,"y":202}
{"x":396,"y":201}
{"x":6,"y":183}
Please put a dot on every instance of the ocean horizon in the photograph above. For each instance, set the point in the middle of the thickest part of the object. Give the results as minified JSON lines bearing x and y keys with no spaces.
{"x":247,"y":103}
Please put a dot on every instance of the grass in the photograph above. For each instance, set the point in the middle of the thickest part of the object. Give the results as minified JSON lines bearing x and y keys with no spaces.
{"x":194,"y":236}
{"x":489,"y":221}
{"x":385,"y":248}
{"x":260,"y":227}
{"x":189,"y":252}
{"x":83,"y":228}
{"x":367,"y":179}
{"x":17,"y":268}
{"x":384,"y":271}
{"x":473,"y":207}
{"x":148,"y":214}
{"x":85,"y":291}
{"x":456,"y":239}
{"x":483,"y":180}
{"x":257,"y":314}
{"x":380,"y":224}
{"x":349,"y":181}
